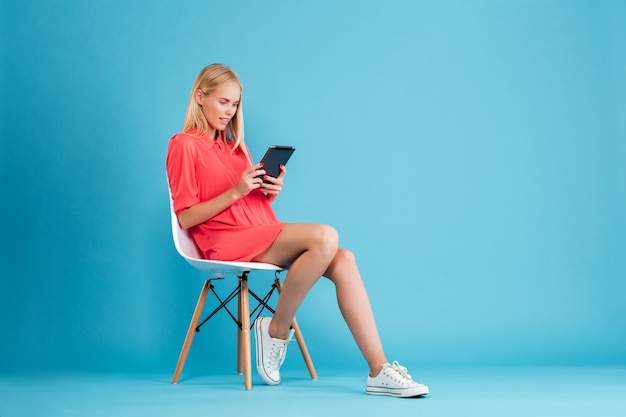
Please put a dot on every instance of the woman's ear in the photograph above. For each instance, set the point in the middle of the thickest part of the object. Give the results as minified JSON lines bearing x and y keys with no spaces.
{"x":198,"y":95}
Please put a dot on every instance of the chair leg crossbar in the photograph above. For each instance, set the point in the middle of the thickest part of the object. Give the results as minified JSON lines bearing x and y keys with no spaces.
{"x":243,"y":319}
{"x":261,"y":304}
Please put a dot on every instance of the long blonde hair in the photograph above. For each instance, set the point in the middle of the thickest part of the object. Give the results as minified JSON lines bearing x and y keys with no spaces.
{"x":208,"y":80}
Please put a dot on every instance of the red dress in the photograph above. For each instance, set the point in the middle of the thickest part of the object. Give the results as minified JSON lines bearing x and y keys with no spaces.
{"x":199,"y":169}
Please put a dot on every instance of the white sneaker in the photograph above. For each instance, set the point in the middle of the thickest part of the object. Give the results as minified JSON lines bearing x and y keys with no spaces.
{"x":270,"y":352}
{"x":395,"y":381}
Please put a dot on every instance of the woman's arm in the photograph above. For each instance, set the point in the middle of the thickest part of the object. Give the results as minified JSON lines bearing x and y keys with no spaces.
{"x":201,"y":212}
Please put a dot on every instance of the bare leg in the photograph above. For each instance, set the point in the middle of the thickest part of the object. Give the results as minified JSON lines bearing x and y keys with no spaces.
{"x":310,"y":251}
{"x":356,"y":309}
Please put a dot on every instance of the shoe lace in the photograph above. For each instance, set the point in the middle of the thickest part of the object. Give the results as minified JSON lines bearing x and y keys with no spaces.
{"x":278,"y":352}
{"x":401,"y":370}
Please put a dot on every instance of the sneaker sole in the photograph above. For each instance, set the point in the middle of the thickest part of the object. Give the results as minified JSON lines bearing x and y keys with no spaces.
{"x":410,"y":393}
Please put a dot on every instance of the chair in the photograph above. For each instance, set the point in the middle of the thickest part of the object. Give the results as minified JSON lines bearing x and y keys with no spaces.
{"x":187,"y":248}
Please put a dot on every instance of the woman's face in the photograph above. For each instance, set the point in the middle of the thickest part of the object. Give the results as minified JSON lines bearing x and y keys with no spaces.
{"x":220,"y":106}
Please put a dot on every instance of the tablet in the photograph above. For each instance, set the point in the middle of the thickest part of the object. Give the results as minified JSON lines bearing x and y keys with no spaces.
{"x":274,"y":157}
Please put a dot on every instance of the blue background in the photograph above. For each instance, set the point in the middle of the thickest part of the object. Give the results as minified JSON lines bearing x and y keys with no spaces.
{"x":472,"y":155}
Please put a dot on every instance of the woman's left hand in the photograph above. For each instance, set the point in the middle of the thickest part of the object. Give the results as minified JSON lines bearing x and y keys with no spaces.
{"x":274,"y":185}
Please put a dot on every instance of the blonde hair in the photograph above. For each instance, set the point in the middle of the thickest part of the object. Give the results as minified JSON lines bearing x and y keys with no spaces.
{"x":208,"y":80}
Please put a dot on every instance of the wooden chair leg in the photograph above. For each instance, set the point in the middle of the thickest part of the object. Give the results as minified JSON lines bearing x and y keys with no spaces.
{"x":245,"y":332}
{"x":191,"y":331}
{"x":239,"y":337}
{"x":300,"y":339}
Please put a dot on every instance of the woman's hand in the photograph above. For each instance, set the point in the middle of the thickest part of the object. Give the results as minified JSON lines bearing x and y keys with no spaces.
{"x":251,"y":178}
{"x":274,"y":185}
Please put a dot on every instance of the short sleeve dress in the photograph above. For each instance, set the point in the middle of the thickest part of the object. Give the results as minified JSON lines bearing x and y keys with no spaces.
{"x":199,"y":169}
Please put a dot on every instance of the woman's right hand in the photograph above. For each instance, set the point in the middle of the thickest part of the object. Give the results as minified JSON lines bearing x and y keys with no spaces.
{"x":251,"y":178}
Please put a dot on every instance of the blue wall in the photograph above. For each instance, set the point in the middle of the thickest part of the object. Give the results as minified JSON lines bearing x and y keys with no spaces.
{"x":472,"y":154}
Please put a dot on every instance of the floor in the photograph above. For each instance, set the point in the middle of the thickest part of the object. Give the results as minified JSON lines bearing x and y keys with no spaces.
{"x":571,"y":392}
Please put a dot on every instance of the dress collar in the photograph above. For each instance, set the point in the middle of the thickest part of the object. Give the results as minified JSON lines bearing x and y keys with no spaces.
{"x":210,"y":143}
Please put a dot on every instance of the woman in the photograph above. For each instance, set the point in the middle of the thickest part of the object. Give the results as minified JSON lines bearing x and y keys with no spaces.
{"x":222,"y":198}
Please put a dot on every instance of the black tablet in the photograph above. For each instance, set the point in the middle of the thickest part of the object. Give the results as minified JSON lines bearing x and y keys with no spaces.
{"x":274,"y":157}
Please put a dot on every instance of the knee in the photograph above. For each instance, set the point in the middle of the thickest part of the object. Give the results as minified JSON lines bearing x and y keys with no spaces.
{"x":343,"y":268}
{"x":326,"y":238}
{"x":345,"y":256}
